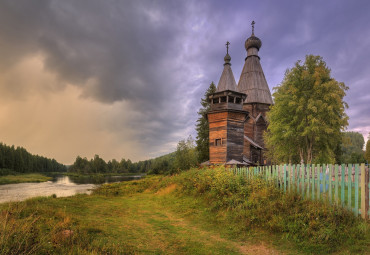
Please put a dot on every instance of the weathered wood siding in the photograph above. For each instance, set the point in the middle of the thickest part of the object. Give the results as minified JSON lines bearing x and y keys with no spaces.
{"x":235,"y":136}
{"x":217,"y":130}
{"x":228,"y":126}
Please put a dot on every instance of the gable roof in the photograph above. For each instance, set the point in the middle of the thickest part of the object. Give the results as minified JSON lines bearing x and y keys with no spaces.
{"x":253,"y":142}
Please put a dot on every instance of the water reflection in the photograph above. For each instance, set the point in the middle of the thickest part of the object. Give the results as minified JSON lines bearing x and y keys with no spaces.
{"x":62,"y":186}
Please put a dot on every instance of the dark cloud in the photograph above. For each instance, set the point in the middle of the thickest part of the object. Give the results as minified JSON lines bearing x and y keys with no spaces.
{"x":160,"y":56}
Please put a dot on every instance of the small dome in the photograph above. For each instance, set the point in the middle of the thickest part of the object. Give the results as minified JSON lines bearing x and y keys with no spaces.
{"x":227,"y":58}
{"x":253,"y":41}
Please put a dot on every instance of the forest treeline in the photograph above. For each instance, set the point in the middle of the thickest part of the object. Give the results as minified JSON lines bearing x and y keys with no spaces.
{"x":183,"y":158}
{"x":18,"y":159}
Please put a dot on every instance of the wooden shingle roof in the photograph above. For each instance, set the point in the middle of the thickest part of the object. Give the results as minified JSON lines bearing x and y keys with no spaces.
{"x":227,"y":80}
{"x":252,"y":79}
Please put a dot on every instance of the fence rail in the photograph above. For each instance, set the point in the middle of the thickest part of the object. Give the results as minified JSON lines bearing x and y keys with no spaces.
{"x":345,"y":185}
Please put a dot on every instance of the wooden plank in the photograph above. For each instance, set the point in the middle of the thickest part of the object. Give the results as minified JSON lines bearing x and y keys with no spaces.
{"x":349,"y":192}
{"x":302,"y":179}
{"x":284,"y":177}
{"x":357,"y":168}
{"x":363,"y":196}
{"x":308,"y":180}
{"x":318,"y":181}
{"x":313,"y":182}
{"x":336,"y":183}
{"x":367,"y":193}
{"x":330,"y":183}
{"x":298,"y":177}
{"x":323,"y":180}
{"x":293,"y":178}
{"x":343,"y":184}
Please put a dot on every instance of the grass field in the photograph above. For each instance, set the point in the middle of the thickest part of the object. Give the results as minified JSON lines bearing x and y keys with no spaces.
{"x":34,"y":177}
{"x":197,"y":212}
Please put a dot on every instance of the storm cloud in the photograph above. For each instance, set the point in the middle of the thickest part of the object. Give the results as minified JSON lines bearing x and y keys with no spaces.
{"x":124,"y":78}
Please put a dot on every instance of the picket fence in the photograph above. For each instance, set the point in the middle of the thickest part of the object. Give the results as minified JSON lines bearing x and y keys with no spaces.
{"x":345,"y":185}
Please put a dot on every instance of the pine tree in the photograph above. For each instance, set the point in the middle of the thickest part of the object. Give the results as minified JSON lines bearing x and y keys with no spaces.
{"x":202,"y":127}
{"x":308,"y":117}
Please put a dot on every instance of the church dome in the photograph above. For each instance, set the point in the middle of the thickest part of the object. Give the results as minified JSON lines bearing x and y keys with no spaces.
{"x":254,"y":42}
{"x":227,"y":58}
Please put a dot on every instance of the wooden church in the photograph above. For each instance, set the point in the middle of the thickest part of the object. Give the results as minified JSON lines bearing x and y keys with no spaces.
{"x":237,"y":116}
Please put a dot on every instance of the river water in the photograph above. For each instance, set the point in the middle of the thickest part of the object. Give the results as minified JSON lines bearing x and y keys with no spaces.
{"x":62,"y":186}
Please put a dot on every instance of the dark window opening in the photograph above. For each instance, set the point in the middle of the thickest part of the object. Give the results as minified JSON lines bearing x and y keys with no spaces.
{"x":218,"y":142}
{"x":215,"y":100}
{"x":238,"y":100}
{"x":231,"y":99}
{"x":223,"y":99}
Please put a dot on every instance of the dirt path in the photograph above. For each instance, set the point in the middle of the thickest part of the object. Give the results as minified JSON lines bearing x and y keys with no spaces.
{"x":153,"y":225}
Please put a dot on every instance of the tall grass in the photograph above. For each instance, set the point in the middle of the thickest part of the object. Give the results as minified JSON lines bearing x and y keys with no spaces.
{"x":254,"y":203}
{"x":28,"y":228}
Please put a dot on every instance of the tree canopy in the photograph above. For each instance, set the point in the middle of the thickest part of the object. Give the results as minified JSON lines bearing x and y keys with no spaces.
{"x":202,"y":127}
{"x":367,"y":151}
{"x":308,"y":117}
{"x":352,"y":145}
{"x":18,"y":159}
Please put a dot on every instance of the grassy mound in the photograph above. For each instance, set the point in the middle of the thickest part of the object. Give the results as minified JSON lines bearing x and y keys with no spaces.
{"x":254,"y":204}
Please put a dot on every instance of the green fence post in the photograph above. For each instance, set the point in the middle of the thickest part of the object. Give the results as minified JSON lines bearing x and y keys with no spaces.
{"x":357,"y":168}
{"x":336,"y":184}
{"x":308,"y":171}
{"x":302,"y":179}
{"x":318,"y":181}
{"x":313,"y":182}
{"x":293,"y":178}
{"x":349,"y":187}
{"x":290,"y":177}
{"x":323,"y":180}
{"x":284,"y":177}
{"x":330,"y":183}
{"x":298,"y":177}
{"x":343,"y":185}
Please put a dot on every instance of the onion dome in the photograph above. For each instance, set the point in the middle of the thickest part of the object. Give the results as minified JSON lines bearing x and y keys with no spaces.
{"x":253,"y":42}
{"x":227,"y":59}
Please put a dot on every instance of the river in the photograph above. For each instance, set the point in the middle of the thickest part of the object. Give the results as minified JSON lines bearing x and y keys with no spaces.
{"x":61,"y":186}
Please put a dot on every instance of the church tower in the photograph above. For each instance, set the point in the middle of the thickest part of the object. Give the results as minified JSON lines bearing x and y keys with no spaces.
{"x":226,"y":119}
{"x":253,"y":83}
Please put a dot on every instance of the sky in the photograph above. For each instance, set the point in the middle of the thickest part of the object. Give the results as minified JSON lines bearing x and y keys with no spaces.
{"x":124,"y":79}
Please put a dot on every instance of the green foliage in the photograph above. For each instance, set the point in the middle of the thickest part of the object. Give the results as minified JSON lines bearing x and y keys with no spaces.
{"x":306,"y":121}
{"x":18,"y":159}
{"x":202,"y":127}
{"x":314,"y":226}
{"x":351,"y":148}
{"x":186,"y":155}
{"x":367,"y":150}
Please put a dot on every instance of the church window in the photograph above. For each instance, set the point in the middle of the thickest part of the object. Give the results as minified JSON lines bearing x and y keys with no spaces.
{"x":215,"y":100}
{"x":218,"y":142}
{"x":231,"y":99}
{"x":238,"y":100}
{"x":223,"y":99}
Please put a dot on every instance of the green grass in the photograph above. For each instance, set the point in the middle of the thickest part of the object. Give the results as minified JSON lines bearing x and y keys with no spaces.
{"x":196,"y":212}
{"x":34,"y":177}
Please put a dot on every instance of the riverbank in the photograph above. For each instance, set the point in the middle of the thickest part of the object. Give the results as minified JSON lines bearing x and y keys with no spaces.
{"x":23,"y":178}
{"x":196,"y":212}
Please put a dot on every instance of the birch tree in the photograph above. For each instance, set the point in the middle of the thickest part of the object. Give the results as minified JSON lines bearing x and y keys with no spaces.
{"x":308,"y":116}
